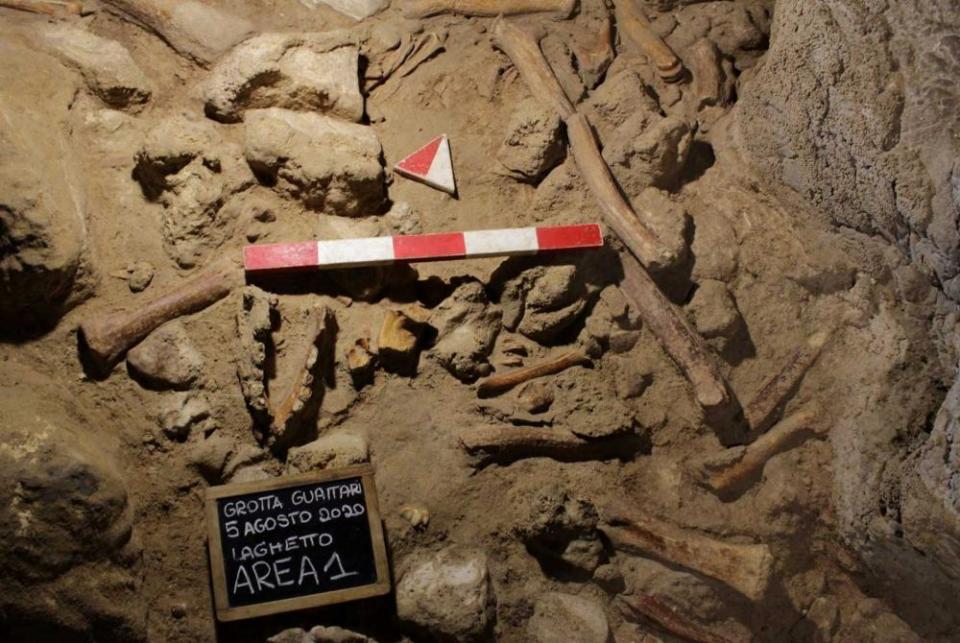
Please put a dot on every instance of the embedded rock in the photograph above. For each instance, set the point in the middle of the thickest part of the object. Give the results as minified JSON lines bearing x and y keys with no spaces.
{"x":448,"y":596}
{"x":42,"y":227}
{"x":166,"y":358}
{"x":328,"y":164}
{"x":545,"y":302}
{"x":299,"y":71}
{"x":106,"y":65}
{"x":356,"y":9}
{"x":621,"y":96}
{"x":648,"y":151}
{"x":182,"y":413}
{"x":564,"y":617}
{"x":194,"y":29}
{"x":533,"y":144}
{"x":467,"y":328}
{"x":714,"y":311}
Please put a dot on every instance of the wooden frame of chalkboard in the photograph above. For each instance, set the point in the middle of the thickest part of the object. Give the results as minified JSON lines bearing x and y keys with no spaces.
{"x":228,"y":612}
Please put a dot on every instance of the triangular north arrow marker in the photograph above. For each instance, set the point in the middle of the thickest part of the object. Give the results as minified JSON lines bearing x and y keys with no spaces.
{"x":430,"y":164}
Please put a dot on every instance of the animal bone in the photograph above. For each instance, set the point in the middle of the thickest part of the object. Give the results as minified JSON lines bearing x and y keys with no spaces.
{"x":673,"y":331}
{"x":762,"y":410}
{"x":746,"y":568}
{"x":487,"y":8}
{"x":781,"y":437}
{"x":665,"y":617}
{"x":46,"y":7}
{"x":497,"y":384}
{"x":638,"y":30}
{"x":505,"y":444}
{"x":322,"y":324}
{"x":107,"y":337}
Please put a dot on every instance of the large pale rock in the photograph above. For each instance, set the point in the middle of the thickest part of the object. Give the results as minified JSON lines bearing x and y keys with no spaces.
{"x":106,"y":65}
{"x":448,"y":596}
{"x":185,"y":166}
{"x":42,"y":217}
{"x":467,"y":328}
{"x":166,"y":358}
{"x":356,"y":9}
{"x":305,"y":72}
{"x":564,"y":617}
{"x":331,"y":451}
{"x":194,"y":29}
{"x":328,"y":164}
{"x":69,"y":558}
{"x":533,"y":144}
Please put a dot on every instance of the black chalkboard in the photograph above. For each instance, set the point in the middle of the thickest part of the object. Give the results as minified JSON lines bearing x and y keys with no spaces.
{"x":295,"y":542}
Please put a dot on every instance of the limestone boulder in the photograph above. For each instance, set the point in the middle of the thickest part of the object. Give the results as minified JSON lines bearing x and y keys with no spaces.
{"x":298,"y":71}
{"x":328,"y":164}
{"x":467,"y":327}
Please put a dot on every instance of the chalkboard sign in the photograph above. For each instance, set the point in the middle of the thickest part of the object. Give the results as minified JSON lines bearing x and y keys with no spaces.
{"x":295,"y":542}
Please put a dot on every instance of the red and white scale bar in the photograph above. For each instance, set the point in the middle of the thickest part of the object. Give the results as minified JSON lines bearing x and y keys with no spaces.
{"x":373,"y":251}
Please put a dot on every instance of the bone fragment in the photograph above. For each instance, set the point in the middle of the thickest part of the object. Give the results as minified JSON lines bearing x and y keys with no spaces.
{"x":321,"y":328}
{"x":763,"y":409}
{"x":673,"y":331}
{"x":497,"y":384}
{"x":505,"y":444}
{"x":746,"y":568}
{"x":666,"y":617}
{"x":781,"y":437}
{"x":45,"y":7}
{"x":487,"y":8}
{"x":638,"y":30}
{"x":108,"y":337}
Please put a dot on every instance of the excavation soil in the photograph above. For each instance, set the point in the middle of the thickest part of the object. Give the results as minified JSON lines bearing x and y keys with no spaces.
{"x":764,"y":271}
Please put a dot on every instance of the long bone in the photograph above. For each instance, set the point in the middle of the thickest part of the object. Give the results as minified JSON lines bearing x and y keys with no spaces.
{"x":673,"y":331}
{"x":487,"y":8}
{"x":499,"y":383}
{"x":638,"y":30}
{"x":746,"y":568}
{"x":505,"y":444}
{"x":108,"y":337}
{"x":666,"y":617}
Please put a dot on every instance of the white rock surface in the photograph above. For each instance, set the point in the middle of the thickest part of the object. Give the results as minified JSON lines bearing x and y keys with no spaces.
{"x":448,"y":595}
{"x":166,"y":358}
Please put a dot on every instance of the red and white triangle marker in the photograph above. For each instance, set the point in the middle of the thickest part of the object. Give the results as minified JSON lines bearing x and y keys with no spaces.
{"x":430,"y":164}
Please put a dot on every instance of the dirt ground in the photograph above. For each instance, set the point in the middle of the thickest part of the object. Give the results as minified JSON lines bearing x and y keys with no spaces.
{"x":762,"y":270}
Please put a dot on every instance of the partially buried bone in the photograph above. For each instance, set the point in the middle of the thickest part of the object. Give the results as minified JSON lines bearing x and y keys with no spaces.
{"x":637,"y":28}
{"x":746,"y":568}
{"x":497,"y":384}
{"x":487,"y":8}
{"x":670,"y":326}
{"x":107,"y":337}
{"x":781,"y":437}
{"x":46,"y":7}
{"x":647,"y":606}
{"x":506,"y":444}
{"x":763,"y":409}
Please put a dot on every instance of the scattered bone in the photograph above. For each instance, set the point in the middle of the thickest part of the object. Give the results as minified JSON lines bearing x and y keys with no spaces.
{"x":505,"y":444}
{"x":666,"y":617}
{"x":712,"y":86}
{"x":298,"y":71}
{"x":535,"y":397}
{"x":781,"y":437}
{"x":287,"y":415}
{"x":746,"y":568}
{"x":497,"y":384}
{"x":763,"y":409}
{"x":487,"y":8}
{"x":194,"y":29}
{"x":636,"y":27}
{"x":594,"y":50}
{"x":397,"y":345}
{"x":360,"y":363}
{"x":107,"y":337}
{"x":47,"y":7}
{"x":417,"y":516}
{"x":254,"y":324}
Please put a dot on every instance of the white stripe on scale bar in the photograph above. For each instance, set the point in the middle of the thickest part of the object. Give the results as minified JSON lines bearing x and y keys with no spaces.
{"x":355,"y":252}
{"x":489,"y":243}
